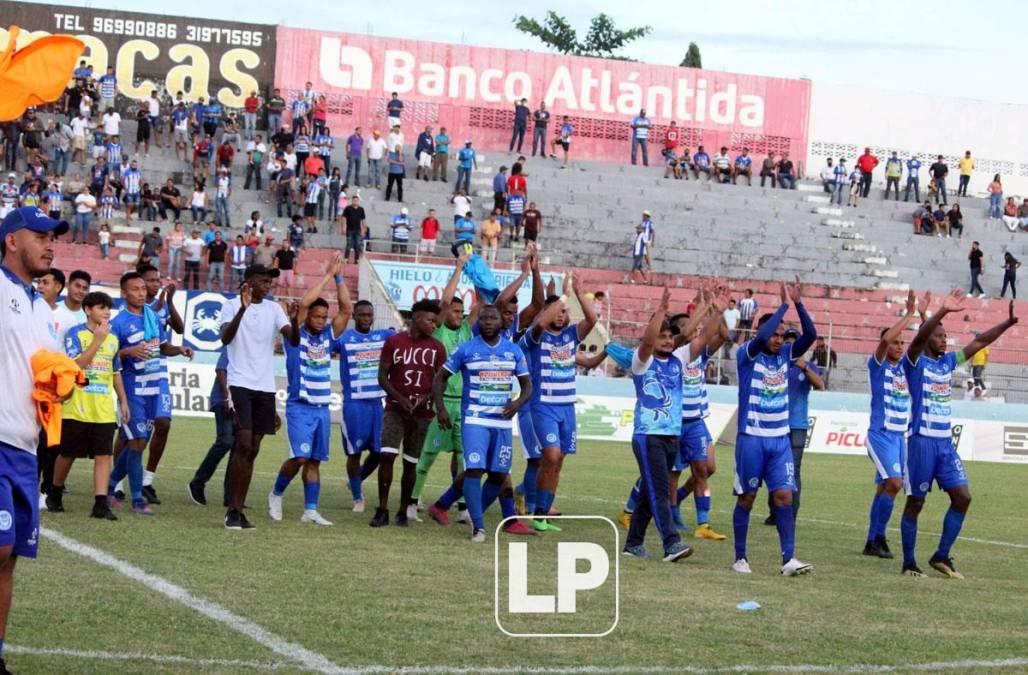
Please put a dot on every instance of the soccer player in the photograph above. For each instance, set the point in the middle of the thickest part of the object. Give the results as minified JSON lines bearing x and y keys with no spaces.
{"x":552,"y":346}
{"x":657,"y":375}
{"x":762,"y":450}
{"x":225,"y":437}
{"x":886,"y":435}
{"x":409,"y":362}
{"x":26,"y":326}
{"x":930,"y":452}
{"x":89,"y":419}
{"x":249,"y":326}
{"x":309,"y":350}
{"x":143,"y":339}
{"x":488,"y":364}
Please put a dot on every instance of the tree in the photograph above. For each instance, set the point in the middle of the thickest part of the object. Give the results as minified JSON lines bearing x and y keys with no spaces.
{"x":603,"y":40}
{"x":692,"y":57}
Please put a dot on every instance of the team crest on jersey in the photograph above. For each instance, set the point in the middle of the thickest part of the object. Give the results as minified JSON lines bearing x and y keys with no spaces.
{"x":754,"y":482}
{"x":924,"y":487}
{"x":474,"y":457}
{"x":15,"y":306}
{"x":305,"y":448}
{"x":896,"y":467}
{"x":551,"y":438}
{"x":5,"y":520}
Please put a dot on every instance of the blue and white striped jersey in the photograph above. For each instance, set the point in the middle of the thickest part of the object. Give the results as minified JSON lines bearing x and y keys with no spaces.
{"x":694,"y":384}
{"x":931,"y":392}
{"x":488,"y":372}
{"x":142,"y":377}
{"x":309,"y":367}
{"x":890,"y":395}
{"x":552,"y":361}
{"x":359,"y":354}
{"x":764,"y":392}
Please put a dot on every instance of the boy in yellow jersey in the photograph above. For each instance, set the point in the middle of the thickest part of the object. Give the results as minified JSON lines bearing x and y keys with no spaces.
{"x":89,"y":417}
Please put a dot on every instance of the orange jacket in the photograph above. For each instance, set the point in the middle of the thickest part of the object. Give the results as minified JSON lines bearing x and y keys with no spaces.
{"x":56,"y":375}
{"x":37,"y":73}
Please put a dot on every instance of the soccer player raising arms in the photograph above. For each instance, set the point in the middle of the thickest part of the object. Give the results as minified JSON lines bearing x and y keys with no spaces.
{"x":930,"y":452}
{"x":488,"y":365}
{"x":309,"y":349}
{"x":762,"y":449}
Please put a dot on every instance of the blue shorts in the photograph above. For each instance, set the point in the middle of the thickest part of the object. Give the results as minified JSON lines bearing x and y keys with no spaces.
{"x":362,"y":425}
{"x":763,"y":459}
{"x":164,"y":401}
{"x":307,"y":428}
{"x":692,"y":444}
{"x":555,"y":426}
{"x":19,"y":501}
{"x":131,"y":198}
{"x":888,"y":451}
{"x":530,"y":448}
{"x":142,"y":413}
{"x":931,"y":459}
{"x":487,"y":448}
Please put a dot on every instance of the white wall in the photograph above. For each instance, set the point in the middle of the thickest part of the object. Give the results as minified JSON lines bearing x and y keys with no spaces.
{"x":845,"y":119}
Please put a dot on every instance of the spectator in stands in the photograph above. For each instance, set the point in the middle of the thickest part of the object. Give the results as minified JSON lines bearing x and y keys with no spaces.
{"x":975,"y":260}
{"x":672,"y":167}
{"x":354,"y":149}
{"x":828,"y":176}
{"x":194,"y":252}
{"x":521,"y":113}
{"x":463,"y":235}
{"x":893,"y":173}
{"x":85,"y":206}
{"x":996,"y":197}
{"x":967,"y":167}
{"x":216,"y":251}
{"x":1010,"y":265}
{"x":319,"y":115}
{"x":651,"y":235}
{"x":866,"y":163}
{"x":732,"y":316}
{"x":223,"y":190}
{"x":225,"y":153}
{"x":701,"y":163}
{"x":671,"y":138}
{"x":400,"y":231}
{"x":1022,"y":214}
{"x":283,"y":191}
{"x":941,"y":222}
{"x":265,"y":255}
{"x":466,"y":161}
{"x":151,"y":246}
{"x":542,"y":119}
{"x":395,"y":137}
{"x":516,"y":210}
{"x":1009,"y":217}
{"x":461,"y":204}
{"x":423,"y":152}
{"x":533,"y":223}
{"x":978,"y":363}
{"x":767,"y":170}
{"x":108,"y":89}
{"x":922,"y":218}
{"x":639,"y":252}
{"x":641,"y":136}
{"x":786,"y":172}
{"x":517,"y":183}
{"x":956,"y":221}
{"x":563,"y":139}
{"x":855,"y":187}
{"x":376,"y":151}
{"x":939,"y":171}
{"x":743,"y":167}
{"x":723,"y":166}
{"x":111,"y":123}
{"x":913,"y":178}
{"x":255,"y":151}
{"x":840,"y":175}
{"x":240,"y":260}
{"x":429,"y":233}
{"x":441,"y":156}
{"x":355,"y":226}
{"x":285,"y":262}
{"x":171,"y":199}
{"x":276,"y":105}
{"x":747,"y":313}
{"x":176,"y":238}
{"x":825,"y":358}
{"x":500,"y":190}
{"x":150,"y":201}
{"x":491,"y":231}
{"x":394,"y":109}
{"x":397,"y":169}
{"x":229,"y":132}
{"x":210,"y":233}
{"x":198,"y":202}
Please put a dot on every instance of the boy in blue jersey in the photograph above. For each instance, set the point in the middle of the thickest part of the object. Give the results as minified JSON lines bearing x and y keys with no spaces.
{"x":762,"y":450}
{"x":886,"y":435}
{"x":488,"y":365}
{"x":224,"y":416}
{"x":309,"y":349}
{"x":657,"y":374}
{"x":143,"y":340}
{"x":930,"y":452}
{"x":551,"y":348}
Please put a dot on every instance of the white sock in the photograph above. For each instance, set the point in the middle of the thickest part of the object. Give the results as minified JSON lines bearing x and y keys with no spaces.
{"x":120,"y":486}
{"x":147,"y":477}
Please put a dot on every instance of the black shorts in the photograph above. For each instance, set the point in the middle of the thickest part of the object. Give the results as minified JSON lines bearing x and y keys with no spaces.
{"x":86,"y":439}
{"x":255,"y":410}
{"x":531,"y":236}
{"x":564,"y":144}
{"x":402,"y":429}
{"x":310,"y":210}
{"x":142,"y":133}
{"x":746,"y":323}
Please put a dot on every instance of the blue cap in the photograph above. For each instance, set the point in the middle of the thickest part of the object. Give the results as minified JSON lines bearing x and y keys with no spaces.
{"x":29,"y":217}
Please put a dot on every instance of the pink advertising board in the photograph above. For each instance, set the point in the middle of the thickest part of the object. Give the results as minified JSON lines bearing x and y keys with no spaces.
{"x":471,"y":91}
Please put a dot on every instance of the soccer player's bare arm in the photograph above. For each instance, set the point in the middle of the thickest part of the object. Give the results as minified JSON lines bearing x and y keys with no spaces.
{"x":809,"y":334}
{"x":387,"y":386}
{"x":590,"y":361}
{"x":649,"y":338}
{"x":986,"y":338}
{"x":529,"y":313}
{"x":897,"y":328}
{"x":438,"y":387}
{"x":585,"y":326}
{"x":314,"y":292}
{"x":451,"y":285}
{"x":229,"y":330}
{"x":544,"y":319}
{"x":952,"y":302}
{"x":174,"y":318}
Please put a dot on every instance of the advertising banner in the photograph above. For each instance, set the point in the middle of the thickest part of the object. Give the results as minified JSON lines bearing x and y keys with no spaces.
{"x":199,"y":57}
{"x":472,"y":90}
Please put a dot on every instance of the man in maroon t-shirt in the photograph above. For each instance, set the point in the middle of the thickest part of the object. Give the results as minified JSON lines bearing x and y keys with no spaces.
{"x":408,"y":364}
{"x":533,"y":222}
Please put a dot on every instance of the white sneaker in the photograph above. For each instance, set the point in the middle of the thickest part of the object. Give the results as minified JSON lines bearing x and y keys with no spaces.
{"x":464,"y":517}
{"x":742,"y":566}
{"x":311,"y":516}
{"x":275,"y":507}
{"x":42,"y":502}
{"x":358,"y":506}
{"x":795,"y":567}
{"x":421,"y":505}
{"x":412,"y":513}
{"x":478,"y":537}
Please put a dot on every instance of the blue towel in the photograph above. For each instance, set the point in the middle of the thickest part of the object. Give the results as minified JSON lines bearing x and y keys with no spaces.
{"x":481,"y":277}
{"x":620,"y":355}
{"x":151,"y":324}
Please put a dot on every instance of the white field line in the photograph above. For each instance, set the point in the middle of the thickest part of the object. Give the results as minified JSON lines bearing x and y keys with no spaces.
{"x":139,"y":658}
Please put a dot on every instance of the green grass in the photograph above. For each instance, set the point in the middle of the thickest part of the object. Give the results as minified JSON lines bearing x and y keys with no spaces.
{"x":424,"y":596}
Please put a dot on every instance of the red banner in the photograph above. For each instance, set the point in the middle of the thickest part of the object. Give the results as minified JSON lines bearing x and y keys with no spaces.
{"x":471,"y":91}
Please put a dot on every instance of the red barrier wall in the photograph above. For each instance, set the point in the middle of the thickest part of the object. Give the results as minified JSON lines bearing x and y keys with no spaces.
{"x":470,"y":90}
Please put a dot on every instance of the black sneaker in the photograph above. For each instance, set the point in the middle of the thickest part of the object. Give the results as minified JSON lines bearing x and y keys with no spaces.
{"x":196,"y":493}
{"x":945,"y":567}
{"x":401,"y":519}
{"x":911,"y":570}
{"x":381,"y":518}
{"x":150,"y":495}
{"x":55,"y":502}
{"x":871,"y":549}
{"x":244,"y":523}
{"x":883,"y":548}
{"x":102,"y":512}
{"x":770,"y":520}
{"x":233,"y":520}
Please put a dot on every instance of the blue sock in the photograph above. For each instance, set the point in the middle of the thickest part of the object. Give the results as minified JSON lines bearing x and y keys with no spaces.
{"x":473,"y":497}
{"x":311,"y":492}
{"x":490,"y":491}
{"x":530,"y":487}
{"x":786,"y":525}
{"x":1,"y":647}
{"x":740,"y":527}
{"x":885,"y":504}
{"x":702,"y":508}
{"x":676,"y":516}
{"x":908,"y":533}
{"x":633,"y":498}
{"x":682,"y":493}
{"x":872,"y":528}
{"x":357,"y":489}
{"x":544,"y":499}
{"x":135,"y":473}
{"x":119,"y":470}
{"x":951,"y":524}
{"x":448,"y":498}
{"x":507,"y":507}
{"x":281,"y":483}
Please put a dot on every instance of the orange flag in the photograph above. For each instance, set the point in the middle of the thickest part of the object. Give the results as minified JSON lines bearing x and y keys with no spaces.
{"x":37,"y":74}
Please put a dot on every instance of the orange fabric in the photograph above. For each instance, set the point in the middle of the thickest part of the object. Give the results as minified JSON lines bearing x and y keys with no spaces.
{"x":37,"y":74}
{"x":56,"y":375}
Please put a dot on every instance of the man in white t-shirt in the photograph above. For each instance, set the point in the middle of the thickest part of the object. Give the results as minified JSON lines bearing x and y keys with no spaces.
{"x":69,"y":312}
{"x":250,"y":325}
{"x":376,"y":149}
{"x":111,"y":122}
{"x":79,"y":127}
{"x":395,"y":137}
{"x":461,"y":205}
{"x":153,"y":106}
{"x":732,"y":316}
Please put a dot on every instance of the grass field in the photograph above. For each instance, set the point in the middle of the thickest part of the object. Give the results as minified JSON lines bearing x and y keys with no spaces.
{"x":385,"y":600}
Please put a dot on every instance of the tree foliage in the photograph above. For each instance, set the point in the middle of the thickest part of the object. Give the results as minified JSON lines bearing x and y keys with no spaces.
{"x":603,"y":40}
{"x":692,"y":57}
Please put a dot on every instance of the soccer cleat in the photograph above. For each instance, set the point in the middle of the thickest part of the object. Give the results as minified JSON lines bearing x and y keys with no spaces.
{"x":519,"y":502}
{"x":54,"y":502}
{"x":636,"y":551}
{"x":412,"y":513}
{"x":625,"y":519}
{"x":794,"y":567}
{"x":114,"y":502}
{"x":42,"y":502}
{"x":478,"y":537}
{"x":742,"y":566}
{"x":705,"y":531}
{"x":232,"y":521}
{"x":541,"y":525}
{"x":945,"y":567}
{"x":244,"y":523}
{"x":358,"y":506}
{"x":677,"y":551}
{"x":770,"y":520}
{"x":380,"y":519}
{"x":463,"y":516}
{"x":142,"y":508}
{"x":401,"y":520}
{"x":911,"y":570}
{"x":119,"y":494}
{"x":438,"y":515}
{"x":312,"y":516}
{"x":883,"y":544}
{"x":275,"y":507}
{"x":102,"y":512}
{"x":871,"y":549}
{"x":150,"y":495}
{"x":420,"y":507}
{"x":517,"y":527}
{"x":196,"y":493}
